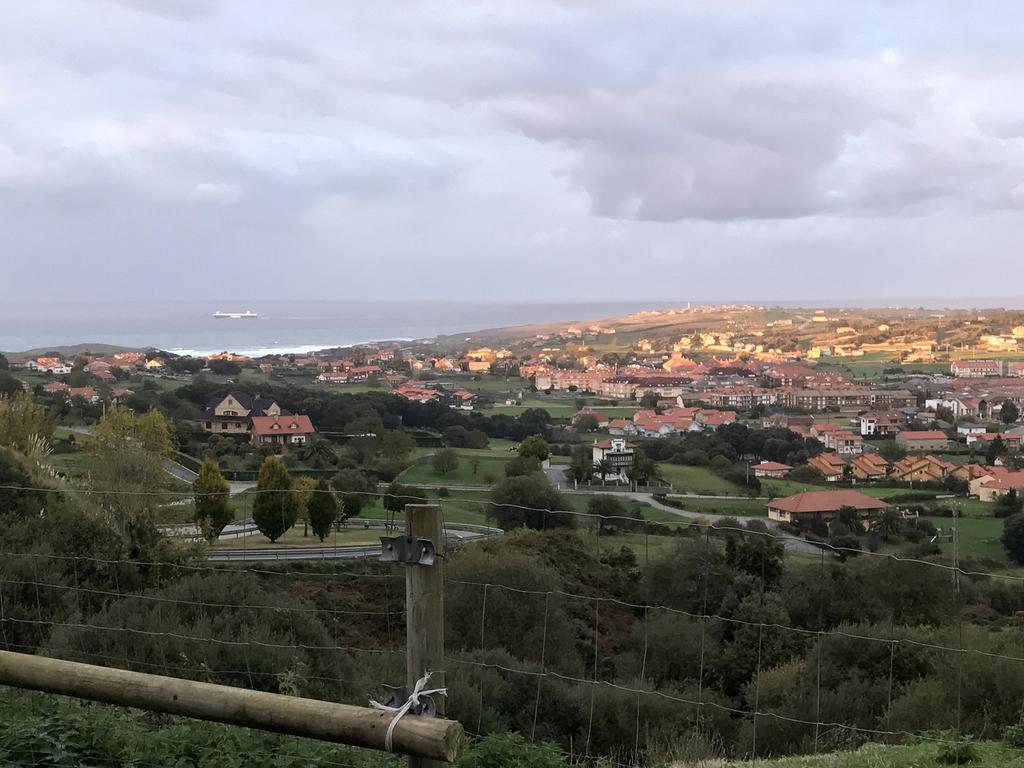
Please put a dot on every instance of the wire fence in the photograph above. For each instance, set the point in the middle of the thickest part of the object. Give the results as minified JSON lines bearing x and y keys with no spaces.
{"x":53,"y":617}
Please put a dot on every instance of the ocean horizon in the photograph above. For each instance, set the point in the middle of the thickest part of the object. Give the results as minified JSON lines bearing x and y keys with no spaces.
{"x":299,"y":327}
{"x":283,"y":327}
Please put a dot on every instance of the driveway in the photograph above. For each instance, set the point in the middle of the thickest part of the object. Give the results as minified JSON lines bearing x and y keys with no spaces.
{"x":792,"y":543}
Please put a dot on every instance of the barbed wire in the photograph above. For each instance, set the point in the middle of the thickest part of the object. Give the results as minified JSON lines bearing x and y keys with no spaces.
{"x":544,"y":672}
{"x":697,"y":521}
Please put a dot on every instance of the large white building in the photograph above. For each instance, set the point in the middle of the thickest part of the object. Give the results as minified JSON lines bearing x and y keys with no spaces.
{"x":619,"y":455}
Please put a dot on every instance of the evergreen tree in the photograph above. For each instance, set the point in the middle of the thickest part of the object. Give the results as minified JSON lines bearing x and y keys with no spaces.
{"x":323,"y":509}
{"x":1009,"y":413}
{"x":995,"y":449}
{"x":212,"y":500}
{"x":276,"y":507}
{"x":1013,"y":538}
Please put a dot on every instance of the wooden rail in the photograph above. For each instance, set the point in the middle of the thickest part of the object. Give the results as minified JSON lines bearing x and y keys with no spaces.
{"x":419,"y":737}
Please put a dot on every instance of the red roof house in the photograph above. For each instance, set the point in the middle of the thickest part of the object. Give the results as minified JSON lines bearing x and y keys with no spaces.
{"x":282,"y":430}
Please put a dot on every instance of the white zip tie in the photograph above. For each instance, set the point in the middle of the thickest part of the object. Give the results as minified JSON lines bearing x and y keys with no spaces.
{"x":412,"y":701}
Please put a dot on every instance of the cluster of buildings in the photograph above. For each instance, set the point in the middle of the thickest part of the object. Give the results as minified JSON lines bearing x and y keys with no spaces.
{"x":651,"y":423}
{"x":988,"y":483}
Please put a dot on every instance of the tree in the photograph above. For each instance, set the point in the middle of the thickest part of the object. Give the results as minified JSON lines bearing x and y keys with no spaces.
{"x":521,"y":465}
{"x":644,"y":469}
{"x":127,"y":458}
{"x":8,"y":384}
{"x":586,"y":423}
{"x":612,"y":515}
{"x":398,"y":496}
{"x":649,"y":400}
{"x":323,"y":509}
{"x":1013,"y":538}
{"x":212,"y":495}
{"x":224,"y":367}
{"x":528,"y":501}
{"x":887,"y":524}
{"x":1009,"y":504}
{"x":536,"y":446}
{"x":4,"y":364}
{"x":303,"y":487}
{"x":995,"y":449}
{"x":276,"y":507}
{"x":850,"y":517}
{"x":1009,"y":413}
{"x":353,"y":487}
{"x":396,"y":444}
{"x":757,"y":554}
{"x":320,"y":453}
{"x":444,"y":461}
{"x":21,"y":418}
{"x":889,"y":450}
{"x":806,"y":474}
{"x":603,"y":468}
{"x":581,"y":465}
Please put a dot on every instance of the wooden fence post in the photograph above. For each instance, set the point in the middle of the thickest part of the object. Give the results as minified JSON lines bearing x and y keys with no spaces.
{"x":424,"y":608}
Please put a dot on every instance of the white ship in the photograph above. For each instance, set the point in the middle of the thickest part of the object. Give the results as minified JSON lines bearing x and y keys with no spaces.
{"x":235,"y":315}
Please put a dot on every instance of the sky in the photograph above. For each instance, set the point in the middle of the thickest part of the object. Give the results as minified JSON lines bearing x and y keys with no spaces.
{"x":526,"y":149}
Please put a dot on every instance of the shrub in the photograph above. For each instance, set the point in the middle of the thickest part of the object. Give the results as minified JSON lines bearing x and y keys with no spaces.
{"x":1014,"y":736}
{"x":720,"y":463}
{"x":956,"y":750}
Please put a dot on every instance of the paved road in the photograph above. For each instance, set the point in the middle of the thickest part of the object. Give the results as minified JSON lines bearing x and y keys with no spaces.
{"x":186,"y":475}
{"x":556,"y":475}
{"x":296,"y":553}
{"x":455,"y":531}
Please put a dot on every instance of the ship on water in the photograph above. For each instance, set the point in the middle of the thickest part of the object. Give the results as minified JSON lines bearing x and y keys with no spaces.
{"x":248,"y":314}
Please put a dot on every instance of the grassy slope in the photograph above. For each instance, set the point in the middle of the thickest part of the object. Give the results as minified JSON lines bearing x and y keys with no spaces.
{"x":696,"y":480}
{"x":989,"y":754}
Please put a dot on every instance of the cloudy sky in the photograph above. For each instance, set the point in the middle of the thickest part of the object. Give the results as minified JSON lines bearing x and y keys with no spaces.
{"x":179,"y":149}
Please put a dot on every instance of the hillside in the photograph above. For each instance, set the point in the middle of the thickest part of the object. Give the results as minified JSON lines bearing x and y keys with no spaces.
{"x":990,"y":754}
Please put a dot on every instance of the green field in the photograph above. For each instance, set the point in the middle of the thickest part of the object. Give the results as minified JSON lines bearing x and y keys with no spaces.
{"x":476,"y":467}
{"x":978,"y":536}
{"x":696,"y":480}
{"x":725,"y":506}
{"x":990,"y":754}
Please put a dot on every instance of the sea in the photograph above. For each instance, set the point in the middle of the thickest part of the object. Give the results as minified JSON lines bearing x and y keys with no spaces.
{"x":282,"y":327}
{"x":189,"y":328}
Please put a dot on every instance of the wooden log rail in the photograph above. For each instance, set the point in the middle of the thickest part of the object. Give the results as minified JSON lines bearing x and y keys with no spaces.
{"x":419,"y":737}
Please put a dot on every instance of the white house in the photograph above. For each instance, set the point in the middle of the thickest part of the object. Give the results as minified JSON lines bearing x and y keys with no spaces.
{"x":619,"y":455}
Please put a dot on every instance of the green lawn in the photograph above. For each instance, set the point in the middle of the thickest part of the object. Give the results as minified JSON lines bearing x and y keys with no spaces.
{"x":990,"y":754}
{"x":735,"y":507}
{"x":476,"y":467}
{"x":696,"y":480}
{"x":978,"y":536}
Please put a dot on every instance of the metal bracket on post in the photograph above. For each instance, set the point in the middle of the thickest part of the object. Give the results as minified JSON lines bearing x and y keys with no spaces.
{"x":396,"y":696}
{"x":407,"y":549}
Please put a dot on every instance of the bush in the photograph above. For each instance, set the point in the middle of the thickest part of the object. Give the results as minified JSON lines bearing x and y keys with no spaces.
{"x":846,"y":546}
{"x":1014,"y":736}
{"x":510,"y":750}
{"x":957,"y":750}
{"x":720,"y":463}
